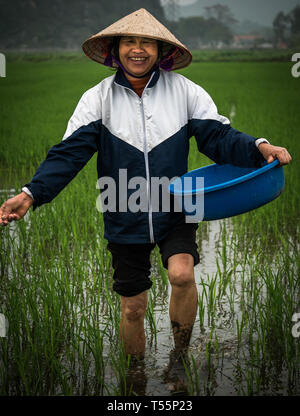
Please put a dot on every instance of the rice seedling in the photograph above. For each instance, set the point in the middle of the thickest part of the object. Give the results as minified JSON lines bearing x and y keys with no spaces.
{"x":150,"y":317}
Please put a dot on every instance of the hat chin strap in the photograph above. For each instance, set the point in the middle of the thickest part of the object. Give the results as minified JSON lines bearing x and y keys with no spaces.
{"x":132,"y":75}
{"x":165,"y":63}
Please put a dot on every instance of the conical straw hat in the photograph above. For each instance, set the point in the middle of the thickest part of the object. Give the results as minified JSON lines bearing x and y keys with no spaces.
{"x":138,"y":23}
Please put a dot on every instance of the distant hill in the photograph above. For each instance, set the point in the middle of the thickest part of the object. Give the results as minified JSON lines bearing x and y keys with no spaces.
{"x":261,"y":12}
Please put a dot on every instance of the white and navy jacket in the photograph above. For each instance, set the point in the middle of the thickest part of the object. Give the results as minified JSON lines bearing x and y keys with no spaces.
{"x":148,"y":136}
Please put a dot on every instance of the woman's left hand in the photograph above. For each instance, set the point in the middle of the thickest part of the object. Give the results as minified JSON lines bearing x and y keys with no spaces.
{"x":270,"y":153}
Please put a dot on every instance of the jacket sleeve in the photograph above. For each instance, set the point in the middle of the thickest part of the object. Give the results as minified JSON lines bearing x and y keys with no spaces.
{"x":65,"y":159}
{"x":214,"y":135}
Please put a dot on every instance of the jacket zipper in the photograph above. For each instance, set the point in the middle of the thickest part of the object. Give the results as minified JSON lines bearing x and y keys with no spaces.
{"x":146,"y":160}
{"x":147,"y":172}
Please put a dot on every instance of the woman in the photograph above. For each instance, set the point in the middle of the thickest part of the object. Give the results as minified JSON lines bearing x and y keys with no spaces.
{"x":140,"y":120}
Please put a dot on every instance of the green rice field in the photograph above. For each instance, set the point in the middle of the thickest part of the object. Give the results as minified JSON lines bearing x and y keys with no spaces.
{"x":62,"y":317}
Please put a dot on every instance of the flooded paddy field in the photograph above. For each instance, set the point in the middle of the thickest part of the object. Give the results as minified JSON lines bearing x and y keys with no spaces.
{"x":62,"y":317}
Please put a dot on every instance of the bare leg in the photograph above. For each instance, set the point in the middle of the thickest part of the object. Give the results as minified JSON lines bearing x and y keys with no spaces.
{"x":184,"y":298}
{"x":132,"y":332}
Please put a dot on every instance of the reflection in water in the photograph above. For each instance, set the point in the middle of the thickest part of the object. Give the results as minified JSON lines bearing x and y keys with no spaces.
{"x":7,"y":193}
{"x":136,"y":380}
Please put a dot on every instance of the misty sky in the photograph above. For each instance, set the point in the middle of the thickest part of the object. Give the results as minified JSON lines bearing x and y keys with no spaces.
{"x":181,"y":2}
{"x":260,"y":11}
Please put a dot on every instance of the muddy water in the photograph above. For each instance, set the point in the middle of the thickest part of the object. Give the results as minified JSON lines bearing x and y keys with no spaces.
{"x":219,"y":377}
{"x":157,"y":361}
{"x":222,"y":375}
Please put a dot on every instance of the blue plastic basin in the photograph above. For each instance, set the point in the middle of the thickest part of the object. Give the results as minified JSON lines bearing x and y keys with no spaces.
{"x":230,"y":190}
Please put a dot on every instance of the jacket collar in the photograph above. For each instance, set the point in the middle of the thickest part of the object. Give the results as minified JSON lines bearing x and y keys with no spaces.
{"x":121,"y":79}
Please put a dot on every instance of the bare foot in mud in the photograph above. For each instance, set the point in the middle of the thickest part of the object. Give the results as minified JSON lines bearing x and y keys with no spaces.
{"x":175,"y":375}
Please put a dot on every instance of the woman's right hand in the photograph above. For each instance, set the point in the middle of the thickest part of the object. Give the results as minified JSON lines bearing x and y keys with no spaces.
{"x":15,"y":208}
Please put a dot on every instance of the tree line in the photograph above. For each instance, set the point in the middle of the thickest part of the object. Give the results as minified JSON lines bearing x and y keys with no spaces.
{"x":55,"y":24}
{"x":39,"y":24}
{"x":287,"y":27}
{"x":65,"y":24}
{"x":212,"y":28}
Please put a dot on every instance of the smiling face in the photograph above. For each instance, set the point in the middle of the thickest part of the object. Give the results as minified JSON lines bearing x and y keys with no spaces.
{"x":138,"y":55}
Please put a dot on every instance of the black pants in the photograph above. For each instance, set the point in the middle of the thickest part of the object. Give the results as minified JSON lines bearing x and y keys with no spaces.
{"x":131,"y":262}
